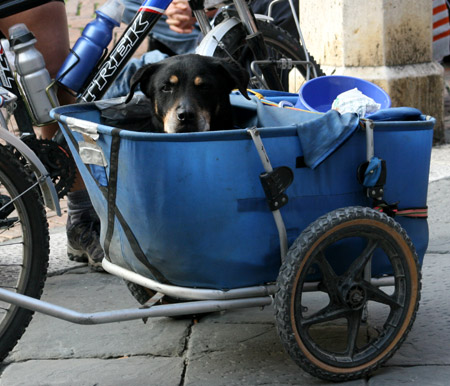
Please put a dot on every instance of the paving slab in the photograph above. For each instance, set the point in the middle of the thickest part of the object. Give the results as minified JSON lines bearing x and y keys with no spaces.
{"x":428,"y":342}
{"x":420,"y":376}
{"x":243,"y":354}
{"x":49,"y":338}
{"x":134,"y":371}
{"x":58,"y":260}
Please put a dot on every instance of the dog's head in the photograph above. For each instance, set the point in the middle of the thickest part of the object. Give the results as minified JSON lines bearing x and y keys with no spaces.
{"x":190,"y":92}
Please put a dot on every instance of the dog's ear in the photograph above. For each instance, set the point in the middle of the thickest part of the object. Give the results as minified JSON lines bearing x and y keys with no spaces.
{"x":142,"y":75}
{"x":239,"y":77}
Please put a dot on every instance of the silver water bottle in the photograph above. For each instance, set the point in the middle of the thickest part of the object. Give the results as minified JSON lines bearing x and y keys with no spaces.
{"x":34,"y":77}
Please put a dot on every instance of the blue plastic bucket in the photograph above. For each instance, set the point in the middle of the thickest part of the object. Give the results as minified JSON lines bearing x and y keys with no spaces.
{"x":318,"y":94}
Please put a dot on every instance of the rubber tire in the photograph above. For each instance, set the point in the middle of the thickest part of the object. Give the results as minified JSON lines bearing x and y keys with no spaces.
{"x":274,"y":37}
{"x":298,"y":261}
{"x":31,"y":213}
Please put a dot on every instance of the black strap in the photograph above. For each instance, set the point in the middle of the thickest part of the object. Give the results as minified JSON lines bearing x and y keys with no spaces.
{"x":112,"y":187}
{"x":114,"y":212}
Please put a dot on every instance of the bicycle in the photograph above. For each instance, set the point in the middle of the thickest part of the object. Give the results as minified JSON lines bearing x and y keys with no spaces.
{"x":226,"y":39}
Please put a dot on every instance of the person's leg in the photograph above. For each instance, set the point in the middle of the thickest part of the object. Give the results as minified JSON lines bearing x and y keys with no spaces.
{"x":48,"y":23}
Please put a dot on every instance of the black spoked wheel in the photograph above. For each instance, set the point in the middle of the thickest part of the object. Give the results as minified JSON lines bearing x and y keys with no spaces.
{"x":280,"y":44}
{"x":24,"y":245}
{"x":333,"y":319}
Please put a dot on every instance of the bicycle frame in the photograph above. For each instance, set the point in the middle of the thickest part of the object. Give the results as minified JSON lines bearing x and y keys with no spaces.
{"x":146,"y":17}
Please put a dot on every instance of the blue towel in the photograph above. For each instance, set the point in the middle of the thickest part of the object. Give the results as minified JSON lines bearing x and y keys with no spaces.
{"x":319,"y":134}
{"x":322,"y":136}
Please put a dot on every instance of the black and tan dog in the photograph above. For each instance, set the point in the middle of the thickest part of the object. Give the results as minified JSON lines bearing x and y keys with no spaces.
{"x":190,"y":93}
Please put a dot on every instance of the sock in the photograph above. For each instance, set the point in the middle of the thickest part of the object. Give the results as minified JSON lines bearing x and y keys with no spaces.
{"x":80,"y":208}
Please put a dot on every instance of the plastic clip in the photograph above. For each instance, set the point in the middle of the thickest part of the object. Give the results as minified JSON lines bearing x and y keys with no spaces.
{"x":274,"y":184}
{"x":372,"y":175}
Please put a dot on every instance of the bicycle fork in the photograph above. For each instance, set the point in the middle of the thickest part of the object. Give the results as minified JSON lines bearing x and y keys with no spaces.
{"x":256,"y":43}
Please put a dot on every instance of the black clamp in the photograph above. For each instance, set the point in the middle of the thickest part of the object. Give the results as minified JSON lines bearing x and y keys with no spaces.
{"x":375,"y":189}
{"x":373,"y":179}
{"x":274,"y":184}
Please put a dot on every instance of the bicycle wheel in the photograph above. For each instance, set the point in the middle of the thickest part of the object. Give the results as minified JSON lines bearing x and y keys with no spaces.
{"x":349,"y":326}
{"x":24,"y":243}
{"x":279,"y":43}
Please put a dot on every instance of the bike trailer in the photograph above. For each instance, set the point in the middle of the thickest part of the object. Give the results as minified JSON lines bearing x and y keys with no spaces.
{"x":190,"y":209}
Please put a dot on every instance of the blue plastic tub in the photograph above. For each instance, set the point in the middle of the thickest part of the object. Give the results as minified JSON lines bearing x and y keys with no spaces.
{"x":319,"y":93}
{"x":194,"y":205}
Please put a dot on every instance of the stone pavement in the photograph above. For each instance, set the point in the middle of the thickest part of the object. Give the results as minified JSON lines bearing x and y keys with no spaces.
{"x":231,"y":348}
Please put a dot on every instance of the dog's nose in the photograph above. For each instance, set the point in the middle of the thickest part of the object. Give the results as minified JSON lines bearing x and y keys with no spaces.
{"x":185,"y":114}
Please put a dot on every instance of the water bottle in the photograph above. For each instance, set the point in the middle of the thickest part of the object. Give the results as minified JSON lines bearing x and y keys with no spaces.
{"x":90,"y":46}
{"x":34,"y":77}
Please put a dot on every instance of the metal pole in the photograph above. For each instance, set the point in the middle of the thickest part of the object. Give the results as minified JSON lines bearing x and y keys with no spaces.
{"x":185,"y":308}
{"x":276,"y":213}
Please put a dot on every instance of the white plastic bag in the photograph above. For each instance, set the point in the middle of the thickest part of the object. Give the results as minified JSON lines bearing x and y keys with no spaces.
{"x":354,"y":101}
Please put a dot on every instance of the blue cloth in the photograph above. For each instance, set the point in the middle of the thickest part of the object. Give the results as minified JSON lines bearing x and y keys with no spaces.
{"x":322,"y":136}
{"x":319,"y":134}
{"x":397,"y":114}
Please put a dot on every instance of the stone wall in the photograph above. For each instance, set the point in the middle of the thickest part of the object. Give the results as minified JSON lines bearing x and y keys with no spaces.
{"x":388,"y":42}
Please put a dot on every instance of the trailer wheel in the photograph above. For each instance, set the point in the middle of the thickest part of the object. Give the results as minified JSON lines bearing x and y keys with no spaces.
{"x":334,"y":322}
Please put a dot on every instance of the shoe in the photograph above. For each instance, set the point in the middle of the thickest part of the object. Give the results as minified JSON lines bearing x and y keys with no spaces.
{"x":83,"y":243}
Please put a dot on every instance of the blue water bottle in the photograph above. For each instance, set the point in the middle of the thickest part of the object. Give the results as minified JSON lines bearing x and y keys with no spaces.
{"x":90,"y":46}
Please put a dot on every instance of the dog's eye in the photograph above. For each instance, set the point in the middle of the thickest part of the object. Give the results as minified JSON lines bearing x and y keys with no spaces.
{"x":168,"y":87}
{"x":204,"y":87}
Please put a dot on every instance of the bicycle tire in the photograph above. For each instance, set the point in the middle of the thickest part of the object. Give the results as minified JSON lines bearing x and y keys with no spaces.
{"x":22,"y":227}
{"x":349,"y":327}
{"x":278,"y":42}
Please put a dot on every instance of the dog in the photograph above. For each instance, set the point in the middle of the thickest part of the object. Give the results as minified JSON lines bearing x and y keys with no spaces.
{"x":190,"y":93}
